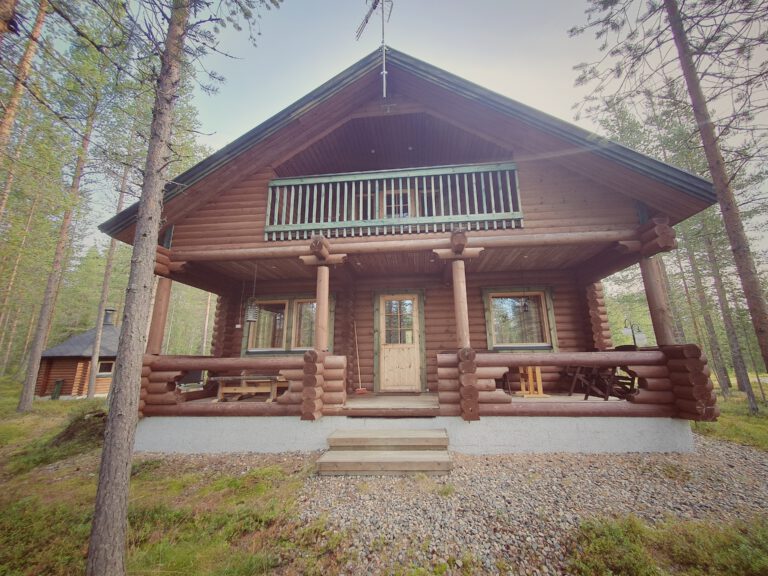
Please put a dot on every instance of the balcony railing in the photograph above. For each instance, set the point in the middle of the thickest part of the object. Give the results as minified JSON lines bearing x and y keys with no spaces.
{"x":436,"y":199}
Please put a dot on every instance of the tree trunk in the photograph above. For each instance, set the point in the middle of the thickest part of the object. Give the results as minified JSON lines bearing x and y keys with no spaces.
{"x":675,"y":309}
{"x":699,"y":336}
{"x":742,"y":378}
{"x":206,"y":343}
{"x":105,"y":290}
{"x":27,"y":340}
{"x":106,"y":551}
{"x":755,"y":367}
{"x":714,"y":344}
{"x":54,"y":278}
{"x":742,"y":253}
{"x":12,"y":107}
{"x":11,"y":175}
{"x":9,"y":346}
{"x":19,"y":256}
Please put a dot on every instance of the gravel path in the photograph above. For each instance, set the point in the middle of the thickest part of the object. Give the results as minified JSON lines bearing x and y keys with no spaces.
{"x":507,"y":514}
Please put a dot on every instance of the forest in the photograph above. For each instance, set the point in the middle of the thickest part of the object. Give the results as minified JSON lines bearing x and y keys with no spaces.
{"x":76,"y":91}
{"x":97,"y":112}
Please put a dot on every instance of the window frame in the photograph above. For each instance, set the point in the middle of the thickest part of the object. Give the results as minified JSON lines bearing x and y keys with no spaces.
{"x":99,"y":372}
{"x":295,"y":325}
{"x":289,"y":332}
{"x":547,"y":317}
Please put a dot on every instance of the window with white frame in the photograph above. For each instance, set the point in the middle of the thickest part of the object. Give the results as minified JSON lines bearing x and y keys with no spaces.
{"x":106,"y":367}
{"x":518,"y":318}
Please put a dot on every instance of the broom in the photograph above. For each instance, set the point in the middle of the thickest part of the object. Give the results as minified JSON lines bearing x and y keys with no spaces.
{"x":360,"y":389}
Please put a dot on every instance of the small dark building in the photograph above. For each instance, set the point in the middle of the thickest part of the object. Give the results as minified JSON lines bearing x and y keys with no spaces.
{"x":70,"y":362}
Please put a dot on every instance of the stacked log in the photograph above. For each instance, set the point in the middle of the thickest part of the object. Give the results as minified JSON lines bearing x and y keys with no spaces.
{"x":292,"y":395}
{"x":312,"y":390}
{"x":335,"y":380}
{"x":469,"y":394}
{"x":158,"y":387}
{"x":598,"y":317}
{"x":654,"y":385}
{"x":163,"y":264}
{"x":656,"y":236}
{"x":692,"y":388}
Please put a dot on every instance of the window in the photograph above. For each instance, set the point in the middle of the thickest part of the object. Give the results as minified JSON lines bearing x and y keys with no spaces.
{"x":273,"y":324}
{"x":518,"y":319}
{"x":304,"y":323}
{"x":398,"y":320}
{"x":106,"y":367}
{"x":266,"y":325}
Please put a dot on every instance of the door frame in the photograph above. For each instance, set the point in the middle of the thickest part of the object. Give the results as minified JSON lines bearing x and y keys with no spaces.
{"x":377,"y":294}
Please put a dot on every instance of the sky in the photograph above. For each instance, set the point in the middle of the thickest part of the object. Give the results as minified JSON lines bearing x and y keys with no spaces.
{"x":518,"y":48}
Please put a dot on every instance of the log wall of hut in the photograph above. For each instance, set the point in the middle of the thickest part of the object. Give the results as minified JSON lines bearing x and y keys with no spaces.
{"x":73,"y":371}
{"x":553,"y":199}
{"x":355,"y":309}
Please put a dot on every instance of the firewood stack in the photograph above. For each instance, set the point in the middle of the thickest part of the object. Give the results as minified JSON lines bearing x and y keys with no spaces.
{"x":312,"y":391}
{"x":694,"y":393}
{"x":598,"y":316}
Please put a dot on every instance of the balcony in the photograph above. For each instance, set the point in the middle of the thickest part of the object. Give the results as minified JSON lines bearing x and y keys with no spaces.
{"x":412,"y":201}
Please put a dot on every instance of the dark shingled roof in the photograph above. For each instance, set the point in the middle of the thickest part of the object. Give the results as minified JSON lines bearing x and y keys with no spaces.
{"x":680,"y":179}
{"x":81,"y":345}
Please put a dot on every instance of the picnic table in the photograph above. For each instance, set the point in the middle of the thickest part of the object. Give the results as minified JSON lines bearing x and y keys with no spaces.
{"x":249,"y":384}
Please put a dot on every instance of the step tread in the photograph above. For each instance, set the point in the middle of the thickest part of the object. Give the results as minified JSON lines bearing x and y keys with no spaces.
{"x":383,"y":462}
{"x":375,"y":437}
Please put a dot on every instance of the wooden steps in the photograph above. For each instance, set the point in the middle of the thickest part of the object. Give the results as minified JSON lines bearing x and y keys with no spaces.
{"x":386,"y":452}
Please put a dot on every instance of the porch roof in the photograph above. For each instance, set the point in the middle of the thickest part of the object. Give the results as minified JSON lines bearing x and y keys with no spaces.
{"x":686,"y":183}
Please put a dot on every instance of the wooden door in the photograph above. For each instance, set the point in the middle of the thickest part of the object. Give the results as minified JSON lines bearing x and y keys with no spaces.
{"x":399,"y":343}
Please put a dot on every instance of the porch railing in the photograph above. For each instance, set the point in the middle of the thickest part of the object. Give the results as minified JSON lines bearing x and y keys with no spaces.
{"x":435,"y":199}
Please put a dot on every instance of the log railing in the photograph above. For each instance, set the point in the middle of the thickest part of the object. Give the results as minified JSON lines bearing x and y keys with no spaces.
{"x":437,"y":199}
{"x":314,"y":381}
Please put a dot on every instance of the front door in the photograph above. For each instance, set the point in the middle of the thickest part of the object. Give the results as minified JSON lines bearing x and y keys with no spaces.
{"x":399,"y":343}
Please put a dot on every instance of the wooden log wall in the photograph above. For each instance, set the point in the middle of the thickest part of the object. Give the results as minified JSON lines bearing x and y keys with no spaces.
{"x":227,"y":339}
{"x":692,"y":390}
{"x":553,"y":199}
{"x":159,"y":375}
{"x":312,"y":391}
{"x":440,"y":331}
{"x":598,"y":317}
{"x":71,"y":370}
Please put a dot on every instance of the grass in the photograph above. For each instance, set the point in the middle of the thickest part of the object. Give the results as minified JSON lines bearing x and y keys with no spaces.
{"x":181,"y":521}
{"x":197,"y":521}
{"x":736,"y":424}
{"x":630,"y":547}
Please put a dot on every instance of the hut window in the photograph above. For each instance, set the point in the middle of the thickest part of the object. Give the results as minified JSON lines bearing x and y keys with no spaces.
{"x":518,"y":319}
{"x":266,"y":325}
{"x":106,"y":367}
{"x":304,"y":323}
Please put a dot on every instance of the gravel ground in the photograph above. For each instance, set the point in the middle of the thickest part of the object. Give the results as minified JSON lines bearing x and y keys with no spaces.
{"x":509,"y":514}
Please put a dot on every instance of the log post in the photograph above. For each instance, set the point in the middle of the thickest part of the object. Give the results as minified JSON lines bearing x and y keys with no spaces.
{"x":159,"y":316}
{"x":321,"y":313}
{"x":460,"y":303}
{"x":658,"y":301}
{"x":468,"y":391}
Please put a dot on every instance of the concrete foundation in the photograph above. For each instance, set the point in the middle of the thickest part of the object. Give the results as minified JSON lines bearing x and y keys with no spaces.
{"x":491,"y":435}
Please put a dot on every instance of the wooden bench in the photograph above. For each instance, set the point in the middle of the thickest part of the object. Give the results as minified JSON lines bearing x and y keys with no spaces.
{"x":248,"y":384}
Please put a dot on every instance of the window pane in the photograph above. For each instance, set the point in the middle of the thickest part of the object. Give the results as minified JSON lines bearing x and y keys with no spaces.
{"x":304,"y":336}
{"x":518,"y":319}
{"x":392,"y":336}
{"x":268,"y":329}
{"x":106,"y":367}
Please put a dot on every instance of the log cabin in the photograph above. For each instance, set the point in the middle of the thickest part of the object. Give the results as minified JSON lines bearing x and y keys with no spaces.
{"x":431,"y":242}
{"x":65,"y":368}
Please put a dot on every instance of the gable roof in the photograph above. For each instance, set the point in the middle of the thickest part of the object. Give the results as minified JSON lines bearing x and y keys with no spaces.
{"x":685,"y":182}
{"x":81,"y":345}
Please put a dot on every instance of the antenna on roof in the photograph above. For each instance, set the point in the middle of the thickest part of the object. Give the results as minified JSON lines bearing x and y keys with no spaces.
{"x":385,"y":14}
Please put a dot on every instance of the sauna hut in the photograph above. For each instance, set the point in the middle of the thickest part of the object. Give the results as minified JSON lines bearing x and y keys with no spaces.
{"x":429,"y":243}
{"x":69,"y":363}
